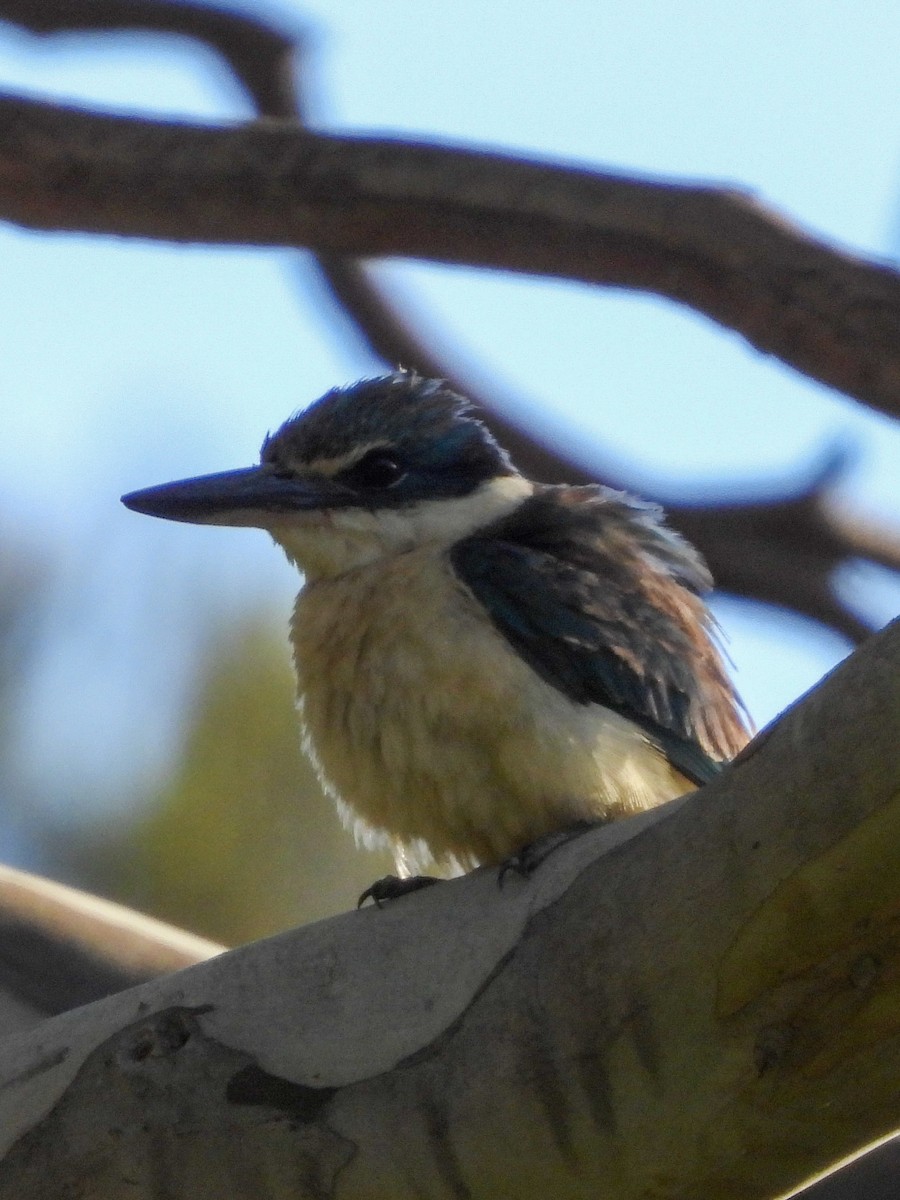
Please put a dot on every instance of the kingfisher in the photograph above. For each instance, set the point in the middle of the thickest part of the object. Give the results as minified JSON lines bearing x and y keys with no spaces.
{"x":482,"y":660}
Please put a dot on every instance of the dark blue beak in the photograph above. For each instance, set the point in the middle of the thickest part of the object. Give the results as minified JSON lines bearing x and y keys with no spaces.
{"x":253,"y":496}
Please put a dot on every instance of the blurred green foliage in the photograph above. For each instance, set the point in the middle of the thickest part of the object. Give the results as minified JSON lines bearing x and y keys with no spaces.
{"x":24,"y":579}
{"x":241,"y":842}
{"x":21,"y":581}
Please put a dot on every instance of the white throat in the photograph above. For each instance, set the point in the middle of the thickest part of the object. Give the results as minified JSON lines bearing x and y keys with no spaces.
{"x":328,"y":543}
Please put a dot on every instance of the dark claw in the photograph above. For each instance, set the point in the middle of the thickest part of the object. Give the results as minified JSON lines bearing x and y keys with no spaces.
{"x":391,"y":886}
{"x":527,"y":860}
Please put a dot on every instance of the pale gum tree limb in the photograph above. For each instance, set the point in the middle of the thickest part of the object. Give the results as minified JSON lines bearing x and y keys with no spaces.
{"x":61,"y":947}
{"x":387,"y":331}
{"x":700,"y":1001}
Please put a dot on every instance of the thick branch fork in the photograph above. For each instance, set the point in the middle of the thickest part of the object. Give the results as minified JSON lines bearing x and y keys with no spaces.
{"x":832,"y":316}
{"x":701,"y":1001}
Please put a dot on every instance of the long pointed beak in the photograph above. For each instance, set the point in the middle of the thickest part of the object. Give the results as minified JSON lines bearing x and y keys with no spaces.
{"x":253,"y":496}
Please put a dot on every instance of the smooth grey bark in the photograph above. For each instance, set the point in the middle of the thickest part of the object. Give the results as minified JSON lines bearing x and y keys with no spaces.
{"x":698,"y":1001}
{"x":61,"y":948}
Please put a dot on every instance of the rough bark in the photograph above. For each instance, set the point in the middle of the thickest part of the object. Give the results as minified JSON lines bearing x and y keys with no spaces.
{"x":702,"y":1001}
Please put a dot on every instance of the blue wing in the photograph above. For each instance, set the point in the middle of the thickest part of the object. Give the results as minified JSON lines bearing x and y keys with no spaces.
{"x":602,"y":601}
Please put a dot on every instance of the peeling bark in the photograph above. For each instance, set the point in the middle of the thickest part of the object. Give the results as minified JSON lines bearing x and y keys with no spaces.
{"x":700,"y":1001}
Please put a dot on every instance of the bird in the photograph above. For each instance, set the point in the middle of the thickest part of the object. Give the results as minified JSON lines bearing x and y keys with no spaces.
{"x":482,"y":660}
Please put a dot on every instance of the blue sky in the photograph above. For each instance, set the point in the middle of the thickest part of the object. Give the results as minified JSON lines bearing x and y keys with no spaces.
{"x":123,"y":363}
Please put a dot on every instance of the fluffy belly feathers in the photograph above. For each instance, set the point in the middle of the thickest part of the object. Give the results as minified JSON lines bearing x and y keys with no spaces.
{"x":435,"y":738}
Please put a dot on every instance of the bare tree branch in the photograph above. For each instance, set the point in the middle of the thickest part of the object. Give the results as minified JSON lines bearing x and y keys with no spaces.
{"x":258,"y":53}
{"x":751,"y":546}
{"x":279,"y":185}
{"x":634,"y":1020}
{"x":61,"y":948}
{"x":782,"y":548}
{"x":831,"y":315}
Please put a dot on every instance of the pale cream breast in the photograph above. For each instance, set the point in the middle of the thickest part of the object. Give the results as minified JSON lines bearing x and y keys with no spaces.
{"x":435,"y":737}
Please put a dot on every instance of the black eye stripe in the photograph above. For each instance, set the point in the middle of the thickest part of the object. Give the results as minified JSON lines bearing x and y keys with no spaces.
{"x":380,"y":468}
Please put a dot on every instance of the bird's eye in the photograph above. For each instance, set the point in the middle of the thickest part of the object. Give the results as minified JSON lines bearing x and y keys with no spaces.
{"x":377,"y":469}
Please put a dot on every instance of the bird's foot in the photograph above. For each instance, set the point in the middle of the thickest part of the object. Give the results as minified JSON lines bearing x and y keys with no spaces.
{"x":390,"y":887}
{"x":527,"y":860}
